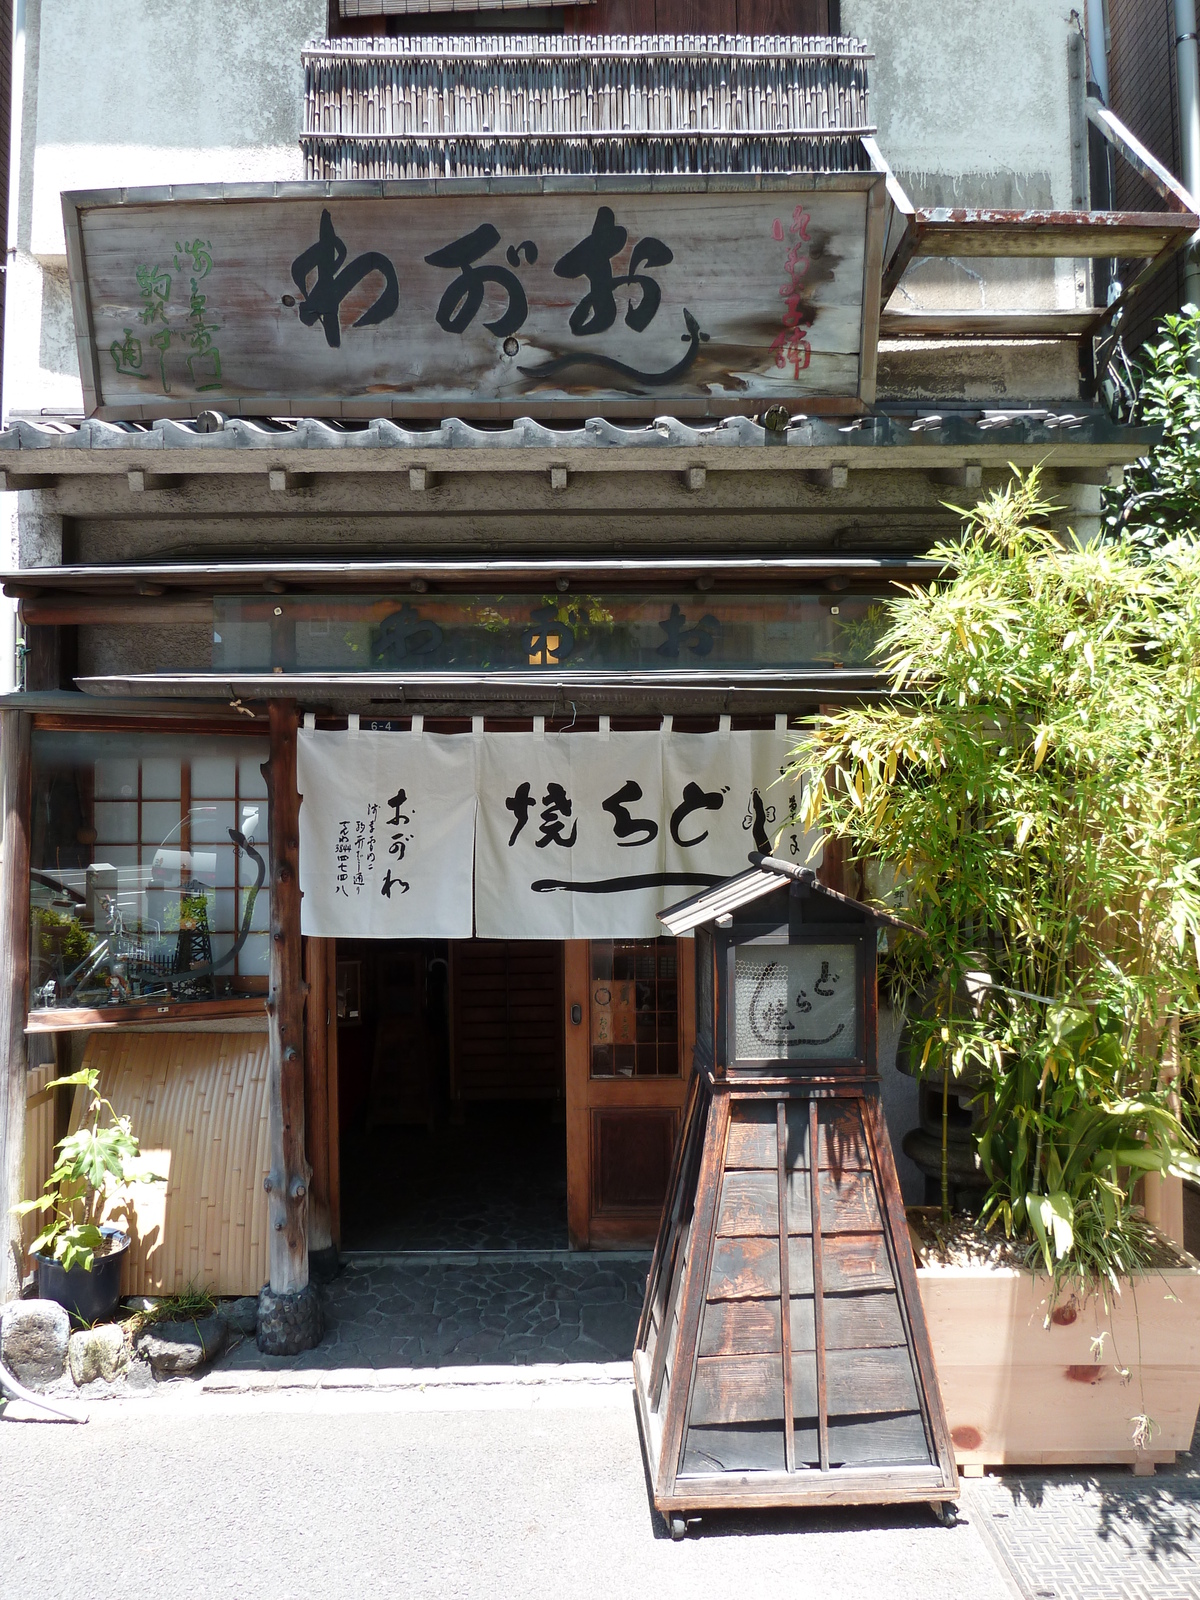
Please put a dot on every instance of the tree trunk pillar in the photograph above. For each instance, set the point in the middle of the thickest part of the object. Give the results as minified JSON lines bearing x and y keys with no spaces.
{"x":14,"y":952}
{"x":289,"y":1311}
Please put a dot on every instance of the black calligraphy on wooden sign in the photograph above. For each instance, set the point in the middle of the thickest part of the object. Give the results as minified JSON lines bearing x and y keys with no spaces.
{"x":486,"y":299}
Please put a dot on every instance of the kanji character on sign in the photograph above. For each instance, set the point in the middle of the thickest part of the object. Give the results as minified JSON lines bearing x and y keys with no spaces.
{"x":557,"y":810}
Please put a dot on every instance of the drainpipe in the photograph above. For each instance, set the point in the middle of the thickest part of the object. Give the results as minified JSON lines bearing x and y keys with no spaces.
{"x":1187,"y":66}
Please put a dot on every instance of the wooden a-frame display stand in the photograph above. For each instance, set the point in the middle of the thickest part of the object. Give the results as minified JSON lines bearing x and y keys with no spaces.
{"x":782,"y":1356}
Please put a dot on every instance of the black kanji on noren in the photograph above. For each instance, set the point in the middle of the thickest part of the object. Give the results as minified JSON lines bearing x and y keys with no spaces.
{"x":694,"y":799}
{"x":626,"y":826}
{"x":334,"y":281}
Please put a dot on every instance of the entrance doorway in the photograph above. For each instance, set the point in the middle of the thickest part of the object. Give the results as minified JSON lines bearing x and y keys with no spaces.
{"x":452,"y":1095}
{"x":509,"y":1094}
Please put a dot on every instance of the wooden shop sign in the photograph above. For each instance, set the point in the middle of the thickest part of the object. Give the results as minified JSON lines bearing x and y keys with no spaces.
{"x":484,"y":298}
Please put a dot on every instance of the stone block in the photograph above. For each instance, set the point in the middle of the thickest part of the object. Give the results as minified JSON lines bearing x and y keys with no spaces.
{"x":98,"y":1353}
{"x":241,"y":1315}
{"x":176,"y":1349}
{"x":34,"y":1335}
{"x":289,"y":1323}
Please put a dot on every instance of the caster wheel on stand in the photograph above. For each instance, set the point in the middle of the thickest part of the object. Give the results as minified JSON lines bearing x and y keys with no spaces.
{"x":945,"y":1512}
{"x":678,"y":1525}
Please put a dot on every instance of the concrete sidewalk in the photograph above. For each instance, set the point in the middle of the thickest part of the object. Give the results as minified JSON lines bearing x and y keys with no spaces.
{"x":521,"y":1491}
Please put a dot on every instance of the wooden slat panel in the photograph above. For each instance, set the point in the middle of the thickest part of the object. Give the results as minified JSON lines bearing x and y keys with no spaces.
{"x":865,"y":1381}
{"x":732,"y":1389}
{"x":749,"y":1204}
{"x":843,"y":1142}
{"x":198,"y":1103}
{"x":861,"y":1321}
{"x":848,"y":1203}
{"x":804,"y":1386}
{"x":857,"y":1261}
{"x":879,"y":1442}
{"x":745,"y":1268}
{"x":39,"y":1143}
{"x":752,"y":1139}
{"x":742,"y":1328}
{"x":713,"y":1450}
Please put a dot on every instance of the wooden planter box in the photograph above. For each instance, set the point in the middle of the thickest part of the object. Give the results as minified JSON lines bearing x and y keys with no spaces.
{"x":1019,"y":1393}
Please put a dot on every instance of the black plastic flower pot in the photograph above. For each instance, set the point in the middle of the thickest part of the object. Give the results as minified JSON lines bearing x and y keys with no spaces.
{"x":87,"y":1295}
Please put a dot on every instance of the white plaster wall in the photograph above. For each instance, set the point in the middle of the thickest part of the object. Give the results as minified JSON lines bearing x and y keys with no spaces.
{"x":976,"y":104}
{"x":127,"y":92}
{"x":158,"y":91}
{"x":971,"y":86}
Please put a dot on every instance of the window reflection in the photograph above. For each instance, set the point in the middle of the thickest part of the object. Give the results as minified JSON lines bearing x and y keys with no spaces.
{"x":138,"y":891}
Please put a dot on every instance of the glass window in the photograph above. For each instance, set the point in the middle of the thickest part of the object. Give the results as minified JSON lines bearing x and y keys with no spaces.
{"x":579,"y":632}
{"x":137,"y":891}
{"x":635,"y":1008}
{"x":795,"y":1002}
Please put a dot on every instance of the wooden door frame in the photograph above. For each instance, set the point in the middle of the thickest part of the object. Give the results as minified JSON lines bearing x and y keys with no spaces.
{"x":585,"y":1094}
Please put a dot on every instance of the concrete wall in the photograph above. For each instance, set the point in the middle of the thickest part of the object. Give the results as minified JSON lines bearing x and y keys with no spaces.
{"x":136,"y":92}
{"x":980,"y":104}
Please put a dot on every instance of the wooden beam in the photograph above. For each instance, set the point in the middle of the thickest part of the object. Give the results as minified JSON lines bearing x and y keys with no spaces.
{"x":287,"y":1183}
{"x":16,"y":782}
{"x":986,"y":231}
{"x":73,"y":610}
{"x":895,"y":324}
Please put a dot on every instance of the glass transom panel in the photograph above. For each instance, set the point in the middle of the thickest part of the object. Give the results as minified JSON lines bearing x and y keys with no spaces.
{"x":796,"y":1002}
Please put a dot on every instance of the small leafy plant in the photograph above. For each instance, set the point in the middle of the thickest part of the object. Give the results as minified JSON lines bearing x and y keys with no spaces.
{"x":91,"y":1162}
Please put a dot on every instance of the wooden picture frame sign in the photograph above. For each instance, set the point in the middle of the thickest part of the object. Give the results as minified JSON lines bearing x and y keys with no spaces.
{"x":501,"y":297}
{"x":782,"y":1356}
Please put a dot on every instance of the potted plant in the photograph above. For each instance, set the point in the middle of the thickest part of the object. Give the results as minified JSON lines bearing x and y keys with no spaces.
{"x":1030,"y":794}
{"x":78,"y":1254}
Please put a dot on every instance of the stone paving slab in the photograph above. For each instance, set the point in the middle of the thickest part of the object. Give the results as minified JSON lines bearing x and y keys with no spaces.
{"x":412,"y":1312}
{"x":1095,"y":1534}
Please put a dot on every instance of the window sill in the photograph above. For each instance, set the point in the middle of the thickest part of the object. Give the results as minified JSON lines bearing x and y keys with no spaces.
{"x":66,"y":1019}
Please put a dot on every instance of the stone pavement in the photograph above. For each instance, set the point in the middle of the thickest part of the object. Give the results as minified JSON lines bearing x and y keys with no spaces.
{"x":471,"y":1310}
{"x":1096,"y":1533}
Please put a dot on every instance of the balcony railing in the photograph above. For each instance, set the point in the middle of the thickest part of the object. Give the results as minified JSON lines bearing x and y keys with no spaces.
{"x":469,"y":106}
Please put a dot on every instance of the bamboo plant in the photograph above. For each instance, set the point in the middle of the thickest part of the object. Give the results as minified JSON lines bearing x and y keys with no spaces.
{"x":1031,"y":790}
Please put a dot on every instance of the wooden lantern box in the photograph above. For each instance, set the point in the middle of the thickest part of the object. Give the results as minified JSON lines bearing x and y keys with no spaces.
{"x":782,"y":1356}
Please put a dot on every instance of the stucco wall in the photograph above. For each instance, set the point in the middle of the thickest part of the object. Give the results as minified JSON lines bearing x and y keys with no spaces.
{"x":980,"y":104}
{"x":152,"y":91}
{"x":136,"y":92}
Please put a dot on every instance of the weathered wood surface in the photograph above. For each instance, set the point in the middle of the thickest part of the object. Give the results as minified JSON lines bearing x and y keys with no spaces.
{"x":288,"y":1181}
{"x":15,"y":779}
{"x":1018,"y":1392}
{"x":375,"y":327}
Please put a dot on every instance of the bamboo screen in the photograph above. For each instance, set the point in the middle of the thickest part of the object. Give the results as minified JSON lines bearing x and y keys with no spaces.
{"x":198,"y":1103}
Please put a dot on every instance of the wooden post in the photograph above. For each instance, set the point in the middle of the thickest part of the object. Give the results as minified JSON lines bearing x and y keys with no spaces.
{"x":289,"y":1321}
{"x":316,"y":1096}
{"x":14,"y":953}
